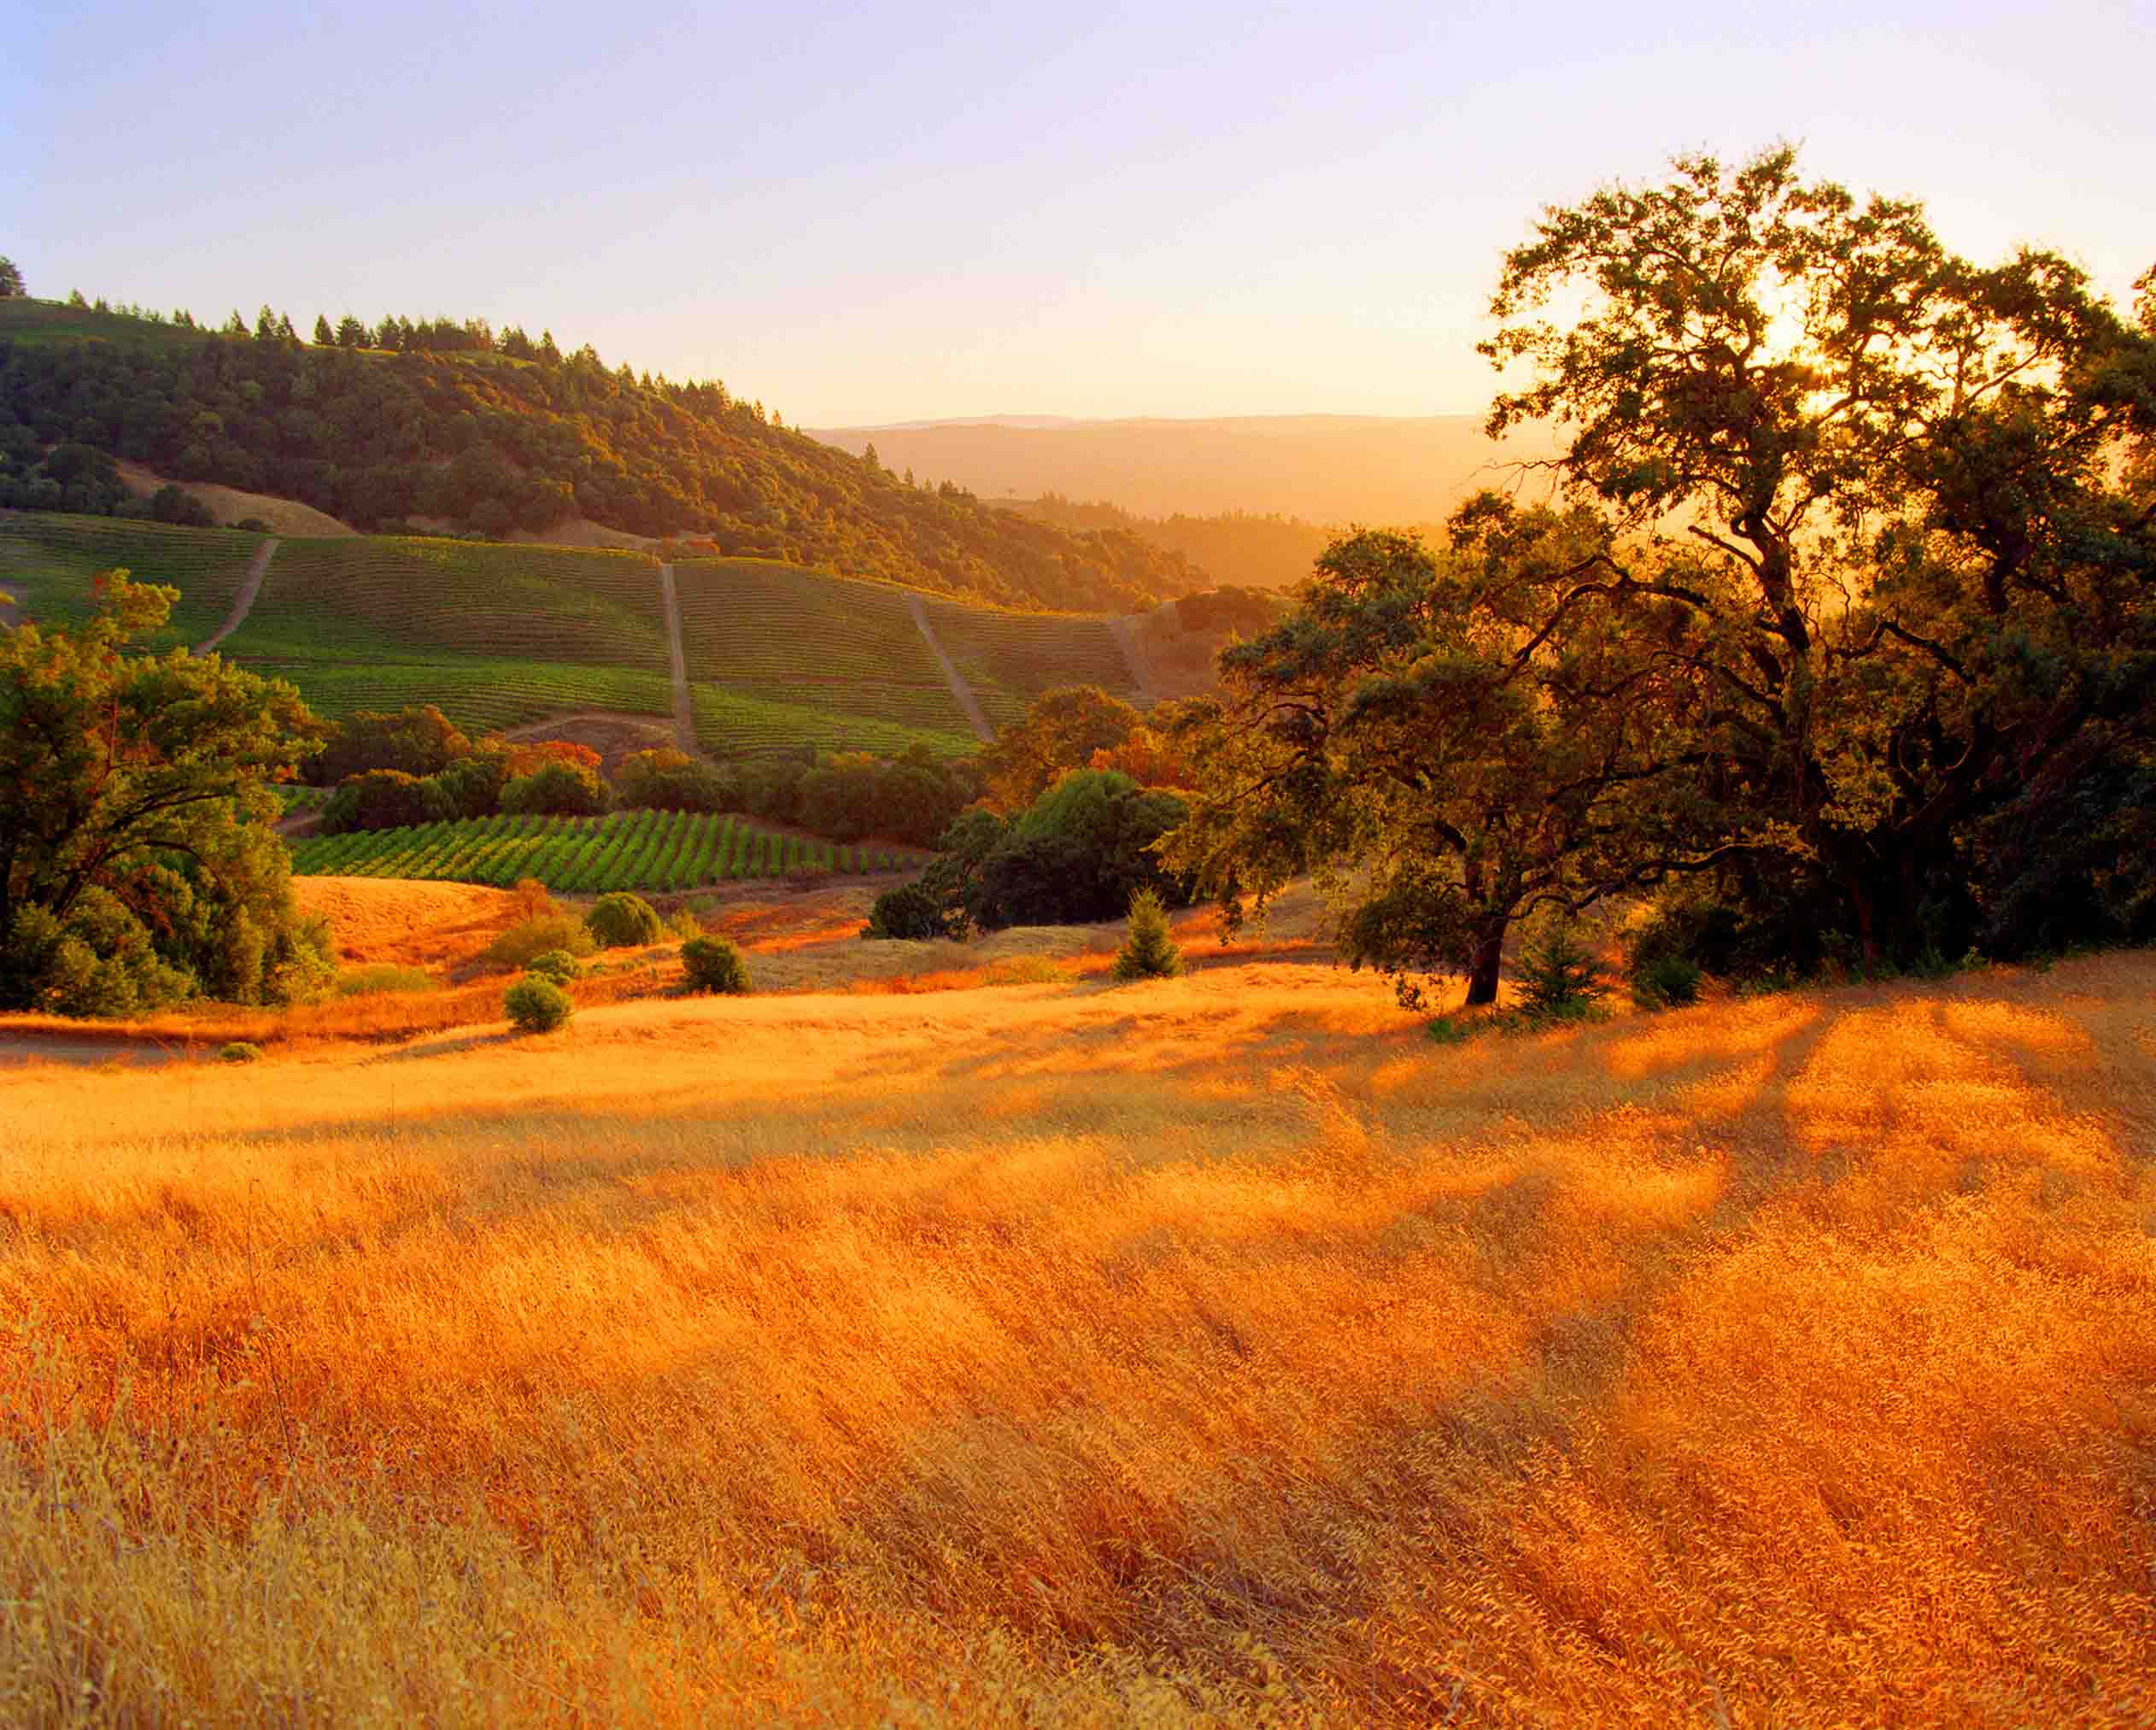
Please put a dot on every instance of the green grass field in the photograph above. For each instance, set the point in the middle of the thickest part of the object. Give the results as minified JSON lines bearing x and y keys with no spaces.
{"x":501,"y":637}
{"x":50,"y":559}
{"x":497,"y":636}
{"x":784,"y":639}
{"x":653,"y":850}
{"x":1008,"y":659}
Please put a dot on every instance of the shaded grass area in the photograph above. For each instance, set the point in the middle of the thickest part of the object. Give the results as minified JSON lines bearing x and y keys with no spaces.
{"x":1066,"y":1354}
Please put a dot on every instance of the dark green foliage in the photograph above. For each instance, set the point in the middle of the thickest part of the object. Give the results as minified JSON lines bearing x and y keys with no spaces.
{"x":622,"y":922}
{"x":171,"y":504}
{"x":848,"y":798}
{"x":239,"y":1051}
{"x":385,"y":799}
{"x":1560,"y":980}
{"x":418,"y":739}
{"x":136,"y":865}
{"x":1148,"y":952}
{"x":473,"y":784}
{"x":671,"y":780}
{"x":916,"y":912}
{"x":557,"y":964}
{"x":537,"y":1006}
{"x":1078,"y":854}
{"x":446,"y":424}
{"x":1666,"y":982}
{"x":556,"y":789}
{"x":2072,"y":863}
{"x":714,"y":964}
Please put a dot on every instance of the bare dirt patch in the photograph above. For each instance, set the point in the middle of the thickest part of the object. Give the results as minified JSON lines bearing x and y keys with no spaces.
{"x":231,"y":505}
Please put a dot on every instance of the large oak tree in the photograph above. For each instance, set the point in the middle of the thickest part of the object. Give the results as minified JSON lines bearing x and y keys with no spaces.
{"x":138,"y":867}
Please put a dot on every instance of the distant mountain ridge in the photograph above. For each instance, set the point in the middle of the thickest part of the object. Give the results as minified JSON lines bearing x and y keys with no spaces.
{"x":1324,"y":468}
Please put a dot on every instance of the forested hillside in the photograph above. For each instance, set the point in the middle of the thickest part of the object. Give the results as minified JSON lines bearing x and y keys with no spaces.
{"x":502,"y":434}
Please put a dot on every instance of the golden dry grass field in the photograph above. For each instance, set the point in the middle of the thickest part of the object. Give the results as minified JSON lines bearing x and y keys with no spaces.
{"x":1212,"y":1350}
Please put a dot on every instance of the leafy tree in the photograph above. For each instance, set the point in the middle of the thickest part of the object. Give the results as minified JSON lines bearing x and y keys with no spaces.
{"x":556,"y":789}
{"x":418,"y":739}
{"x":670,"y":780}
{"x":137,"y":864}
{"x":1061,"y":729}
{"x":1077,"y":853}
{"x":386,"y":799}
{"x":1437,"y":765}
{"x":1918,"y":583}
{"x":10,"y":280}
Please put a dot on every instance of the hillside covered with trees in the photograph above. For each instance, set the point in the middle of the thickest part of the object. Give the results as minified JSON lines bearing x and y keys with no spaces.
{"x":381,"y":424}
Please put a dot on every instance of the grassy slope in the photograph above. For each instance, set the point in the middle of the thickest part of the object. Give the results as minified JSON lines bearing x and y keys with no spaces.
{"x":770,"y":640}
{"x":1217,"y":1348}
{"x":500,"y":635}
{"x":50,"y":559}
{"x":1008,"y":659}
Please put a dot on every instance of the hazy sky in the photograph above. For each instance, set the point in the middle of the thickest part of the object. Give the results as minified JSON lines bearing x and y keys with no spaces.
{"x":865,"y":214}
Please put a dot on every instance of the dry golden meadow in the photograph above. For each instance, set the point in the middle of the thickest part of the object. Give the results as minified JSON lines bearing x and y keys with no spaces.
{"x":1216,"y":1349}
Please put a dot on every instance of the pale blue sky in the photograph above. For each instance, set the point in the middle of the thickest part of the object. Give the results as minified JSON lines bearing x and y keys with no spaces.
{"x":866,"y":214}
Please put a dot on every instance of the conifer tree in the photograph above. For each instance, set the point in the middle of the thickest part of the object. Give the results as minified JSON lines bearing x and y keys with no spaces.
{"x":1148,"y":951}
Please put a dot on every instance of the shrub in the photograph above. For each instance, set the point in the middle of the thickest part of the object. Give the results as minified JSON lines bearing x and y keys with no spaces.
{"x":1665,"y":980}
{"x":713,"y":963}
{"x":1558,"y":980}
{"x":384,"y":975}
{"x":529,"y":939}
{"x":537,"y":1006}
{"x":622,"y":922}
{"x":556,"y":789}
{"x":1148,"y":951}
{"x":557,"y":964}
{"x":915,"y":912}
{"x":682,"y":923}
{"x":239,"y":1052}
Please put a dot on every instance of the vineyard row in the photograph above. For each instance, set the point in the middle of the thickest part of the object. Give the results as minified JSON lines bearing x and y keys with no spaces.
{"x":653,"y":850}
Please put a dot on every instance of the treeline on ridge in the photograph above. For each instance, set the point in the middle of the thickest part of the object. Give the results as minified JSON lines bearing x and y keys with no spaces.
{"x":499,"y":433}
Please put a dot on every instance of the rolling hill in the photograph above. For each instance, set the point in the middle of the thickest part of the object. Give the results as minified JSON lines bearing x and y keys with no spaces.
{"x":476,"y":436}
{"x":507,"y":636}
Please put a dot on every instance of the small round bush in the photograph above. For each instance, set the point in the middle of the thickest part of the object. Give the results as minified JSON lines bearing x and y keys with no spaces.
{"x":557,"y":964}
{"x":240,"y":1052}
{"x":1666,"y":981}
{"x":537,"y":1006}
{"x":713,"y":963}
{"x":622,"y":921}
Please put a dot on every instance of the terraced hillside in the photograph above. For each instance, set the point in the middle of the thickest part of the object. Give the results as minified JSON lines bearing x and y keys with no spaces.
{"x":48,"y":559}
{"x":779,"y":655}
{"x":496,"y":636}
{"x":500,"y":636}
{"x":1008,"y":659}
{"x":655,"y":850}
